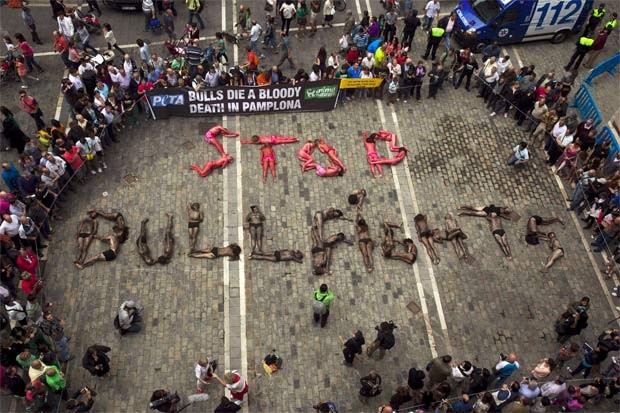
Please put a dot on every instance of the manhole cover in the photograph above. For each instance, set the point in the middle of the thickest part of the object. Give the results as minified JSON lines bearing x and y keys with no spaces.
{"x":414,"y":308}
{"x":188,"y":146}
{"x":130,"y":179}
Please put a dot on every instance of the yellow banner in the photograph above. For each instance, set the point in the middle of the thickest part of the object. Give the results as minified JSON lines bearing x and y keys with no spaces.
{"x":360,"y":83}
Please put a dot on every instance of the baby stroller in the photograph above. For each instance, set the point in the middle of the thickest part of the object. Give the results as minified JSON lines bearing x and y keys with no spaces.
{"x":174,"y":48}
{"x":7,"y":71}
{"x":90,"y":21}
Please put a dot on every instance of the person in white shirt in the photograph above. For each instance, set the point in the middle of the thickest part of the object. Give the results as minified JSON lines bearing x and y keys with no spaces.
{"x":10,"y":225}
{"x":503,"y":64}
{"x":255,"y":32}
{"x":50,"y":179}
{"x":431,"y":11}
{"x":57,"y":165}
{"x":554,"y":388}
{"x":204,"y":371}
{"x":84,"y":66}
{"x":15,"y":311}
{"x":334,"y":60}
{"x":65,"y":27}
{"x":315,"y":74}
{"x":156,"y":63}
{"x":369,"y":61}
{"x":74,"y":77}
{"x":287,"y":11}
{"x":520,"y":155}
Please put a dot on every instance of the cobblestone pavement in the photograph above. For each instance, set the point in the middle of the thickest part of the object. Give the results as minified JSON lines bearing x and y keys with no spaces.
{"x":457,"y":157}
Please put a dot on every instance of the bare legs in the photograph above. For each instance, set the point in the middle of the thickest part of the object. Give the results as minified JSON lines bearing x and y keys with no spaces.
{"x":82,"y":247}
{"x":502,"y":241}
{"x":366,"y":248}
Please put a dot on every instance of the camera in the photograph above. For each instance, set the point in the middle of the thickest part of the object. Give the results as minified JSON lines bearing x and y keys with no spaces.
{"x":168,"y":398}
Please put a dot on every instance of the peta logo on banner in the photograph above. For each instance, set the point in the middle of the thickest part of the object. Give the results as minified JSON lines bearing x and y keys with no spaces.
{"x":166,"y":100}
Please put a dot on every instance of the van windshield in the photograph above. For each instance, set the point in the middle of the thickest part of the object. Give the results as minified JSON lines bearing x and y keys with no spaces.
{"x":486,"y":9}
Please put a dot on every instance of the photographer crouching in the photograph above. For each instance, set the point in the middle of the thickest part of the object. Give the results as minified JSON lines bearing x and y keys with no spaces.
{"x":164,"y":401}
{"x":82,"y":400}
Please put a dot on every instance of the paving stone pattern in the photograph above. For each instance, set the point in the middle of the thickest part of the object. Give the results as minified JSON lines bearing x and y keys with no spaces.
{"x":457,"y":157}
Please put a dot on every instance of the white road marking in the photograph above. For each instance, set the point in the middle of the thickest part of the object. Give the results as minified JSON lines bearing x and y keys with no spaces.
{"x":431,"y":271}
{"x":211,"y":38}
{"x":61,"y":98}
{"x":408,"y":234}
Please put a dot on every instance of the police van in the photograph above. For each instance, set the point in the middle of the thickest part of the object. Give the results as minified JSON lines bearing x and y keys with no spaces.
{"x":514,"y":21}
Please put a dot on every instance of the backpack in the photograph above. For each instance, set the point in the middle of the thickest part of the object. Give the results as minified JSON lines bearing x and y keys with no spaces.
{"x":388,"y":340}
{"x":318,"y":306}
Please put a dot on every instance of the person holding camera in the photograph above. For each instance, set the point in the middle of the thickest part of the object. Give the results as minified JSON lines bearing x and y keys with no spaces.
{"x":439,"y":369}
{"x":128,"y":318}
{"x":204,"y":372}
{"x":82,"y":400}
{"x":504,"y":368}
{"x":385,"y":339}
{"x":164,"y":401}
{"x":371,"y":386}
{"x":96,"y":361}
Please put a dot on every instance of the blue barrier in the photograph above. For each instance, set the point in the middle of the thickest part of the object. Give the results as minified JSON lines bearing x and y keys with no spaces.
{"x":584,"y":102}
{"x":606,"y":133}
{"x":608,"y":66}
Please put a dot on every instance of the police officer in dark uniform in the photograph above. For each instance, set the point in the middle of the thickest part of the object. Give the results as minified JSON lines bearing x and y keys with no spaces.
{"x":434,"y":38}
{"x":594,"y":20}
{"x":584,"y":44}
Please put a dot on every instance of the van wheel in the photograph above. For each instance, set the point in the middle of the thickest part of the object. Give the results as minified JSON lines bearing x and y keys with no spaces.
{"x":559,"y":37}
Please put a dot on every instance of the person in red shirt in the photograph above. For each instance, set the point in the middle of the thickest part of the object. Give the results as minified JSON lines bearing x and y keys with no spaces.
{"x":597,"y":48}
{"x":61,"y":46}
{"x":352,"y":55}
{"x":27,"y":261}
{"x":28,"y":53}
{"x":31,"y":106}
{"x":252,"y":60}
{"x":30,"y":284}
{"x":72,"y":157}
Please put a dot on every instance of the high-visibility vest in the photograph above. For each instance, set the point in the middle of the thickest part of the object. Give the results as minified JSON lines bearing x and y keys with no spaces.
{"x":611,"y":24}
{"x":598,"y":13}
{"x":586,"y":41}
{"x":437,"y":32}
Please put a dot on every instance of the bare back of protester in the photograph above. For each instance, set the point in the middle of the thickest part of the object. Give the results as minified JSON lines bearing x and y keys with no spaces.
{"x":322,"y":251}
{"x":427,"y":237}
{"x":279,"y":256}
{"x":233,"y":251}
{"x":484,"y":211}
{"x":387,"y":245}
{"x":194,"y":216}
{"x":168,"y":241}
{"x":533,"y":236}
{"x":365,"y":243}
{"x":357,"y":197}
{"x":117,"y":237}
{"x":142,"y":244}
{"x":456,"y":236}
{"x":87,"y":229}
{"x":320,"y":217}
{"x":255,"y":220}
{"x":557,"y":251}
{"x":495,"y":224}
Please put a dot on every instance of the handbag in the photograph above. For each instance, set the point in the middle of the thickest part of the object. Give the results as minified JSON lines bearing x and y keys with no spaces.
{"x":90,"y":156}
{"x":269,"y":6}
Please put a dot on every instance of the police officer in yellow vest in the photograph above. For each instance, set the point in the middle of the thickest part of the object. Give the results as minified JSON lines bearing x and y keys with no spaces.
{"x":595,"y":18}
{"x":584,"y":44}
{"x":434,"y":38}
{"x":612,"y":23}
